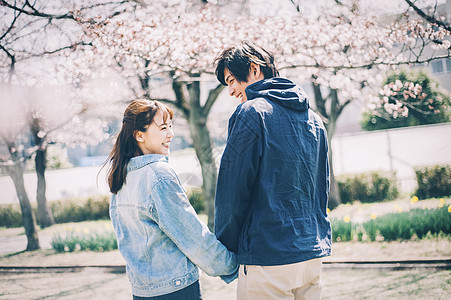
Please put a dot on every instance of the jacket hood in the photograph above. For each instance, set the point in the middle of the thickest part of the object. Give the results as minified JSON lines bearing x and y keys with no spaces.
{"x":280,"y":90}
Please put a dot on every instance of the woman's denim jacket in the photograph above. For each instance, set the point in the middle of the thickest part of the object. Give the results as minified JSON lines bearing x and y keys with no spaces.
{"x":159,"y":234}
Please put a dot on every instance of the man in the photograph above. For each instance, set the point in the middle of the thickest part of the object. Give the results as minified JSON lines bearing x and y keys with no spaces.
{"x":273,"y":182}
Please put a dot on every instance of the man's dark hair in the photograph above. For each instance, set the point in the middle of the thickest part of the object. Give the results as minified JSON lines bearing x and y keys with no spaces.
{"x":238,"y":59}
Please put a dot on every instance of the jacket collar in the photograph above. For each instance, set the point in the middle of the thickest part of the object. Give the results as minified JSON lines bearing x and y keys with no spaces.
{"x":142,"y":160}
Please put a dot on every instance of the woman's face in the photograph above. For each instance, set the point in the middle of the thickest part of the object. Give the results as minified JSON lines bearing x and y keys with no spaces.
{"x":157,"y":138}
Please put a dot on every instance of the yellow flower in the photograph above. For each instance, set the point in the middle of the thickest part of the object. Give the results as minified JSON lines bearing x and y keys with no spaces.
{"x":328,"y":210}
{"x":414,"y":200}
{"x":442,"y":202}
{"x":347,"y":219}
{"x":373,"y":216}
{"x":449,"y":209}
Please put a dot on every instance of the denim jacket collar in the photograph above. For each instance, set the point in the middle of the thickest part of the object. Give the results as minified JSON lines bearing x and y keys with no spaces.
{"x":138,"y":162}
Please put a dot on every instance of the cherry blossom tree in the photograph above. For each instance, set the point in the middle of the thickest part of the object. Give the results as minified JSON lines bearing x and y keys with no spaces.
{"x":166,"y":52}
{"x":340,"y":51}
{"x":35,"y":37}
{"x":177,"y":46}
{"x":18,"y":151}
{"x":408,"y":99}
{"x":353,"y":50}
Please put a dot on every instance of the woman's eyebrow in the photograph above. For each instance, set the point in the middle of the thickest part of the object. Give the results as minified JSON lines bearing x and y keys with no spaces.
{"x":161,"y":125}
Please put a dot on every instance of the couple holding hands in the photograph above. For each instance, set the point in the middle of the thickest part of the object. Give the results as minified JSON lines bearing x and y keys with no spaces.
{"x":271,"y":224}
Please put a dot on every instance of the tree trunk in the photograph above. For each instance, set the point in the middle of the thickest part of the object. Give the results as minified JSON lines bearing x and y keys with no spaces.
{"x":15,"y":171}
{"x":29,"y":221}
{"x":197,"y":121}
{"x":330,"y":123}
{"x":334,"y":194}
{"x":45,"y":216}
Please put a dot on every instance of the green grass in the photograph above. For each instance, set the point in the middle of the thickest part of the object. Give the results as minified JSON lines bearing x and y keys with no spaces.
{"x":99,"y":241}
{"x":82,"y":237}
{"x":395,"y":226}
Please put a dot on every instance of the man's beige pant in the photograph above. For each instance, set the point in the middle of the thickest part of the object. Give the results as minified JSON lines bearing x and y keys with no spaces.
{"x":294,"y":281}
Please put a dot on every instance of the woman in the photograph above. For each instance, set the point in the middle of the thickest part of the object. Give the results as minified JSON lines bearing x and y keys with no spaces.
{"x":158,"y":232}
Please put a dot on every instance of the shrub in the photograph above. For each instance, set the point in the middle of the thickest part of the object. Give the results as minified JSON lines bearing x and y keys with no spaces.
{"x":421,"y":226}
{"x":197,"y":199}
{"x":371,"y":229}
{"x":367,"y":187}
{"x":98,"y":208}
{"x":64,"y":211}
{"x":395,"y":226}
{"x":407,"y":98}
{"x":97,"y":241}
{"x":359,"y":232}
{"x":341,"y":231}
{"x":10,"y":216}
{"x":58,"y":243}
{"x":77,"y":210}
{"x":433,"y":181}
{"x":402,"y":226}
{"x":439,"y":221}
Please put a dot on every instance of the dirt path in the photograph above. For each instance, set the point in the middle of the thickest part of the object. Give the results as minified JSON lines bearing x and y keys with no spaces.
{"x":94,"y":283}
{"x":337,"y":285}
{"x":90,"y":284}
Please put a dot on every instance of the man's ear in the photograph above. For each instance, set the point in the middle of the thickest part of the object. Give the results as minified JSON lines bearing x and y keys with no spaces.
{"x":255,"y":71}
{"x":139,"y":136}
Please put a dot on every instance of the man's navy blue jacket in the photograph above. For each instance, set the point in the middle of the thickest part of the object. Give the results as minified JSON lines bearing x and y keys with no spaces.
{"x":273,"y":182}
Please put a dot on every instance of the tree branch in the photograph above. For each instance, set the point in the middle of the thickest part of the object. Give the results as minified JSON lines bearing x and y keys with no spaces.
{"x":180,"y":102}
{"x":368,"y":65}
{"x":163,"y":100}
{"x":212,"y":96}
{"x":35,"y":12}
{"x":81,"y":111}
{"x":298,"y":6}
{"x":319,"y":100}
{"x":341,"y":107}
{"x":73,"y":46}
{"x":71,"y":15}
{"x":104,"y":4}
{"x":11,"y":26}
{"x":428,"y":18}
{"x":13,"y":61}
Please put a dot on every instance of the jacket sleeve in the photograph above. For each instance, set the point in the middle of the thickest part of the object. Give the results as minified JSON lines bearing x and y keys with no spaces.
{"x":177,"y":219}
{"x":237,"y":175}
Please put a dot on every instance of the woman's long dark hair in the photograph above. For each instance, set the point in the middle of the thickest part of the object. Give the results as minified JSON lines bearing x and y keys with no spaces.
{"x":138,"y":115}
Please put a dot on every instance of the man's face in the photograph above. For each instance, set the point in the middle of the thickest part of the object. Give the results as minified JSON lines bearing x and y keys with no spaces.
{"x":237,"y":88}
